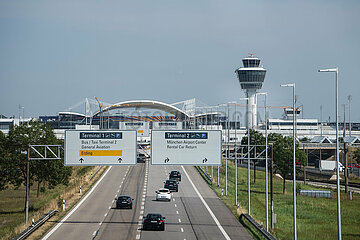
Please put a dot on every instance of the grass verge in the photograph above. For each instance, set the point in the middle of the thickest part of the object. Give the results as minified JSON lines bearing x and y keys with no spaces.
{"x":316,"y":217}
{"x":12,"y":215}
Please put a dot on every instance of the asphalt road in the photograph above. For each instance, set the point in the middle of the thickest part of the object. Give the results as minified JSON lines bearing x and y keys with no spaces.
{"x":195,"y":212}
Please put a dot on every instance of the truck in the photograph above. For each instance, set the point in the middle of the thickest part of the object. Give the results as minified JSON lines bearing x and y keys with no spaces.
{"x":326,"y":165}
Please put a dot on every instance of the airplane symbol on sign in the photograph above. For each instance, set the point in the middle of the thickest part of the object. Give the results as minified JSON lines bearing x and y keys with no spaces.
{"x":204,"y":160}
{"x":81,"y":160}
{"x":167,"y":160}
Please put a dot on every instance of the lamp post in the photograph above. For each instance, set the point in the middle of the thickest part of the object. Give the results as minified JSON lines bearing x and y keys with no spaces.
{"x":248,"y":153}
{"x":294,"y":160}
{"x":349,"y":98}
{"x":336,"y":71}
{"x":266,"y":165}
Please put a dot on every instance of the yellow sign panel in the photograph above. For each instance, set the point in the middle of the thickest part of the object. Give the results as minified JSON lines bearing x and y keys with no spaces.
{"x":100,"y":153}
{"x":140,"y":131}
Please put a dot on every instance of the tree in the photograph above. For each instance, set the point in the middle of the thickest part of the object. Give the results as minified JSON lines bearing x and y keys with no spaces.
{"x":256,"y":138}
{"x":3,"y":162}
{"x":283,"y":155}
{"x":19,"y":139}
{"x":357,"y":155}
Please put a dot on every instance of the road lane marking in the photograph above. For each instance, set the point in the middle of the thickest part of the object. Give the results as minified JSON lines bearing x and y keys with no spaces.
{"x":140,"y":217}
{"x":182,"y":230}
{"x":140,"y":223}
{"x":179,"y":220}
{"x":100,"y":223}
{"x":94,"y":233}
{"x":76,"y":207}
{"x":142,"y":207}
{"x":110,"y":207}
{"x":105,"y":214}
{"x":173,"y":199}
{"x":141,"y":212}
{"x":177,"y":212}
{"x":138,"y":236}
{"x":207,"y":206}
{"x":175,"y":205}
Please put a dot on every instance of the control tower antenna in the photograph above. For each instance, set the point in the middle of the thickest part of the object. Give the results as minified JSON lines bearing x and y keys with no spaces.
{"x":251,"y":78}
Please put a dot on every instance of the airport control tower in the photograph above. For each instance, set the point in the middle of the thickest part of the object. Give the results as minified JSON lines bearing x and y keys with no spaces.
{"x":251,"y":78}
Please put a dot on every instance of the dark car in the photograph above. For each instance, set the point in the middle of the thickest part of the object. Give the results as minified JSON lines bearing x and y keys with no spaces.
{"x":141,"y":158}
{"x":124,"y":201}
{"x":172,"y":185}
{"x":175,"y":175}
{"x":154,"y":221}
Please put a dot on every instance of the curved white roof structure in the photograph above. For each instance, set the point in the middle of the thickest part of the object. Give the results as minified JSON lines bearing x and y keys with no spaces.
{"x":146,"y":104}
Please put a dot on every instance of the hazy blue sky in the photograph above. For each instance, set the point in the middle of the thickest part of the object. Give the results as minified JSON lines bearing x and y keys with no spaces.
{"x":55,"y":53}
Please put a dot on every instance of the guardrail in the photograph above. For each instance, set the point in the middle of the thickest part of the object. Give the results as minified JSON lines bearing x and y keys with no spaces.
{"x":93,"y":175}
{"x":208,"y":177}
{"x":315,"y":193}
{"x":35,"y":225}
{"x":263,"y":232}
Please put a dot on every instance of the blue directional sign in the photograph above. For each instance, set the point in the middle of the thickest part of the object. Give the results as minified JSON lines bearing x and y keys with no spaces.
{"x":186,"y":147}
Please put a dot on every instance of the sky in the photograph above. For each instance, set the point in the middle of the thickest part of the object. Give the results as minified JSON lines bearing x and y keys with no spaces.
{"x":53,"y":54}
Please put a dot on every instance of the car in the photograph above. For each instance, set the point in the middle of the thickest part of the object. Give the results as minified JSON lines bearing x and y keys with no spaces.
{"x":154,"y":221}
{"x":172,"y":185}
{"x":141,"y":158}
{"x":175,"y":175}
{"x":124,"y":201}
{"x":163,"y":194}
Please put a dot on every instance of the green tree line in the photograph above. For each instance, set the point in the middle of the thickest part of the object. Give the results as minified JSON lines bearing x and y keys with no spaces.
{"x":282,"y":152}
{"x":13,"y":158}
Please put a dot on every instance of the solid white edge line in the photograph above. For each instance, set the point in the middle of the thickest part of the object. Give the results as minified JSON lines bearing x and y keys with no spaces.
{"x":76,"y":207}
{"x":207,"y":206}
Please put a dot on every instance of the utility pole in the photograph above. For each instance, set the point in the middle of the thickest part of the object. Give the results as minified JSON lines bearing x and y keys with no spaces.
{"x":344,"y":154}
{"x":272,"y":187}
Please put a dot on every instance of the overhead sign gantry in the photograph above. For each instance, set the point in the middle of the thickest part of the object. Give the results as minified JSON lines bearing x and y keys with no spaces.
{"x":89,"y":147}
{"x":186,"y":147}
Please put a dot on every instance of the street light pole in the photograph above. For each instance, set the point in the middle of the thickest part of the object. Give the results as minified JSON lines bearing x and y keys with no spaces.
{"x":266,"y":165}
{"x":294,"y":156}
{"x":336,"y":70}
{"x":236,"y":201}
{"x":349,"y":98}
{"x":248,"y":163}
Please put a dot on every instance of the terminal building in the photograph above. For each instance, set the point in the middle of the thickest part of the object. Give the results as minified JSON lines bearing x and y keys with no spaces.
{"x":147,"y":115}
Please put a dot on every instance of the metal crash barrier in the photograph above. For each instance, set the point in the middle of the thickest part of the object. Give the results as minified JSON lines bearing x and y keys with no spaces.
{"x":35,"y":225}
{"x":263,"y":232}
{"x":316,"y":193}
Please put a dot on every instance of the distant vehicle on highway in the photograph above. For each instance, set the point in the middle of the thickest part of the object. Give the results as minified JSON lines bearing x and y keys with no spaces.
{"x":141,"y":158}
{"x":172,"y":185}
{"x":124,"y":201}
{"x":163,"y":194}
{"x":154,"y":221}
{"x":175,"y":175}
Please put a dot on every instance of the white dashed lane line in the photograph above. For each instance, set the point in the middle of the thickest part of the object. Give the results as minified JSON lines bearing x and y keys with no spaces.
{"x":177,"y":212}
{"x":179,"y":220}
{"x":94,"y":233}
{"x":182,"y":230}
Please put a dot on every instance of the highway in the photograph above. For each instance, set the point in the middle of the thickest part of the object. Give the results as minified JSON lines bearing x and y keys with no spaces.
{"x":195,"y":212}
